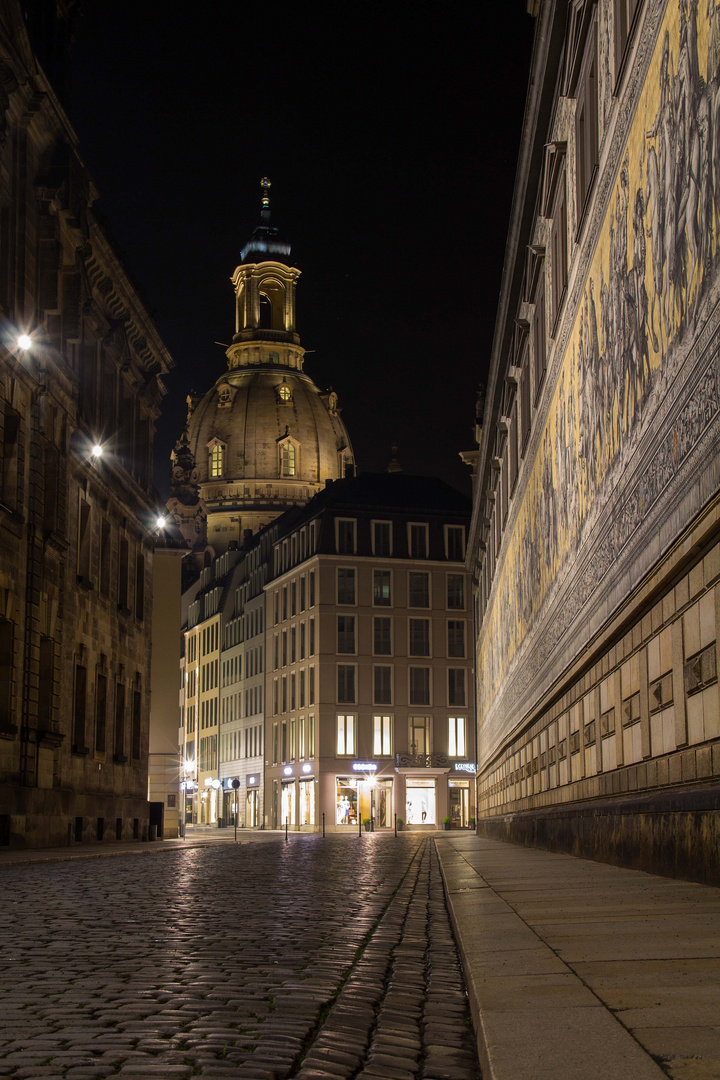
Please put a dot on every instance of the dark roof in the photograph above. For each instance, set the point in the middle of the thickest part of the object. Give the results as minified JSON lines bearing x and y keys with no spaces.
{"x":387,"y":492}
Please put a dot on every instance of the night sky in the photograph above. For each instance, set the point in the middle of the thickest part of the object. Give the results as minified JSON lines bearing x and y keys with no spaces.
{"x":390,"y":134}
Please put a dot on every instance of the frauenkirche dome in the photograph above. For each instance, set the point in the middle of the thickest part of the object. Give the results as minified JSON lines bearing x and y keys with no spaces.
{"x":264,"y":437}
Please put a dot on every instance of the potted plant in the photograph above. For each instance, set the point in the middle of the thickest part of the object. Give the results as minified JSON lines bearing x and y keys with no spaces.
{"x":399,"y":822}
{"x":471,"y":822}
{"x":446,"y":823}
{"x":367,"y":823}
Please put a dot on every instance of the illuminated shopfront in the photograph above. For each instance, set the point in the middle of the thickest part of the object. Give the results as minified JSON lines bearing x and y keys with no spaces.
{"x":420,"y":802}
{"x":459,"y":803}
{"x":288,"y":806}
{"x":306,"y":802}
{"x":364,"y":797}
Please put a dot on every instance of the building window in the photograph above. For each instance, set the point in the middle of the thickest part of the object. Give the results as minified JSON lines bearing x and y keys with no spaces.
{"x":345,"y":585}
{"x":100,"y":713}
{"x":120,"y":723}
{"x":524,"y":400}
{"x":382,"y":736}
{"x":346,"y":682}
{"x":382,"y":538}
{"x":7,"y":635}
{"x":419,"y":685}
{"x":11,"y":469}
{"x":418,"y":537}
{"x":586,"y":123}
{"x":289,"y":454}
{"x":382,"y":635}
{"x":215,"y":460}
{"x":346,"y":633}
{"x":456,"y":736}
{"x":419,"y":741}
{"x":419,"y":637}
{"x":418,"y":590}
{"x":455,"y":592}
{"x":346,"y":735}
{"x":538,"y":337}
{"x":455,"y":542}
{"x":382,"y":684}
{"x":345,"y":536}
{"x":382,"y":592}
{"x":139,"y":587}
{"x":456,"y":686}
{"x":558,"y":244}
{"x":456,"y":637}
{"x":625,"y":12}
{"x":284,"y":394}
{"x":123,"y":573}
{"x":84,"y":542}
{"x":80,"y":707}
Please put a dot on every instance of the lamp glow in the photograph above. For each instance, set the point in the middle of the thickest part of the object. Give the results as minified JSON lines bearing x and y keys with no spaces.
{"x":161,"y":522}
{"x":97,"y":451}
{"x":24,"y":341}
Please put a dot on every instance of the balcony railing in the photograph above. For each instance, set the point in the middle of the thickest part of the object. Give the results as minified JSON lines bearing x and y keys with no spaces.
{"x":422,"y":761}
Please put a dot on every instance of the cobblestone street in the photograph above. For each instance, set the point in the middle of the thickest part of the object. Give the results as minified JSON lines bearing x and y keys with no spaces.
{"x":308,"y":958}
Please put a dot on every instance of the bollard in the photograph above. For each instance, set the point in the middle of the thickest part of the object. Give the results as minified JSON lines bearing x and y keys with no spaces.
{"x":395,"y":816}
{"x":372,"y":823}
{"x":323,"y":824}
{"x":286,"y":823}
{"x":359,"y":823}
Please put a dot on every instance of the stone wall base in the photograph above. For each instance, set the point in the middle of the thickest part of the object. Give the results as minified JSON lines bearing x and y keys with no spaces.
{"x":675,"y":833}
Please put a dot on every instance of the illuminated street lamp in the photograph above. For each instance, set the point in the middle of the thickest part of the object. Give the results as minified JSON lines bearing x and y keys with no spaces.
{"x":24,"y":341}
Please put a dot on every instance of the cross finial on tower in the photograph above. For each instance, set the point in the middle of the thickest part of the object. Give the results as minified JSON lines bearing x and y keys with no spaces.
{"x":264,"y":187}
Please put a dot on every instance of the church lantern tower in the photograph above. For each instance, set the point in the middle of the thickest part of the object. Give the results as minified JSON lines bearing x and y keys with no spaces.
{"x":264,"y":437}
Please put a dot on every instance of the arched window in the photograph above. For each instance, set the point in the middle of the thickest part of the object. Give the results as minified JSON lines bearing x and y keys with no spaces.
{"x":288,"y":456}
{"x":216,"y":459}
{"x":284,"y":394}
{"x":288,"y":459}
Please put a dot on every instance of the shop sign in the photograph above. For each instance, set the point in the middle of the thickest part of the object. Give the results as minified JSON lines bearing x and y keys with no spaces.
{"x":465,"y":766}
{"x":364,"y":766}
{"x":252,"y":780}
{"x":188,"y":785}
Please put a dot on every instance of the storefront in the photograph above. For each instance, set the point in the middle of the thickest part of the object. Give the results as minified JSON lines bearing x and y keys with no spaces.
{"x":420,"y":801}
{"x":364,"y":798}
{"x":252,"y":803}
{"x":459,"y":803}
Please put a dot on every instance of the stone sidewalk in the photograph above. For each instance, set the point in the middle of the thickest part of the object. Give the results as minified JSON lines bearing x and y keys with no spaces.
{"x":577,"y":970}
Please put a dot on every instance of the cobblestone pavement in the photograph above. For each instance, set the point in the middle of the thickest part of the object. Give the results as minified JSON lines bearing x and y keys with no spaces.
{"x":309,"y":959}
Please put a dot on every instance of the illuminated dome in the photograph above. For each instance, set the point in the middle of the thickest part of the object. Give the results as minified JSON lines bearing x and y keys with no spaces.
{"x":264,"y":437}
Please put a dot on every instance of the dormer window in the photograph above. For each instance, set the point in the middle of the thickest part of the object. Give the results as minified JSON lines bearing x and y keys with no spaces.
{"x":289,"y":456}
{"x":284,"y":394}
{"x":216,"y":459}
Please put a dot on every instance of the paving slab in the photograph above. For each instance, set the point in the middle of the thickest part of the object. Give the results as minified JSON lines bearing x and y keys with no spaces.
{"x":578,"y":970}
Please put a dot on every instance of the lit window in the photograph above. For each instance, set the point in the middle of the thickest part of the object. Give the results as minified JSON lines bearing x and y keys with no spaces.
{"x":345,"y":735}
{"x":284,"y":394}
{"x":382,"y":736}
{"x":216,"y":459}
{"x":288,"y":459}
{"x":456,"y":736}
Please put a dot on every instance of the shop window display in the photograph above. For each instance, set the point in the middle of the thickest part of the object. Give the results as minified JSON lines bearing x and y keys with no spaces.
{"x":420,"y":802}
{"x":288,"y":806}
{"x":307,"y":802}
{"x":346,"y":802}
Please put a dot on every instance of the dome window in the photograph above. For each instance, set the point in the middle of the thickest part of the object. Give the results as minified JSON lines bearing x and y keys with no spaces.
{"x":284,"y":394}
{"x":216,"y":459}
{"x":288,"y":456}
